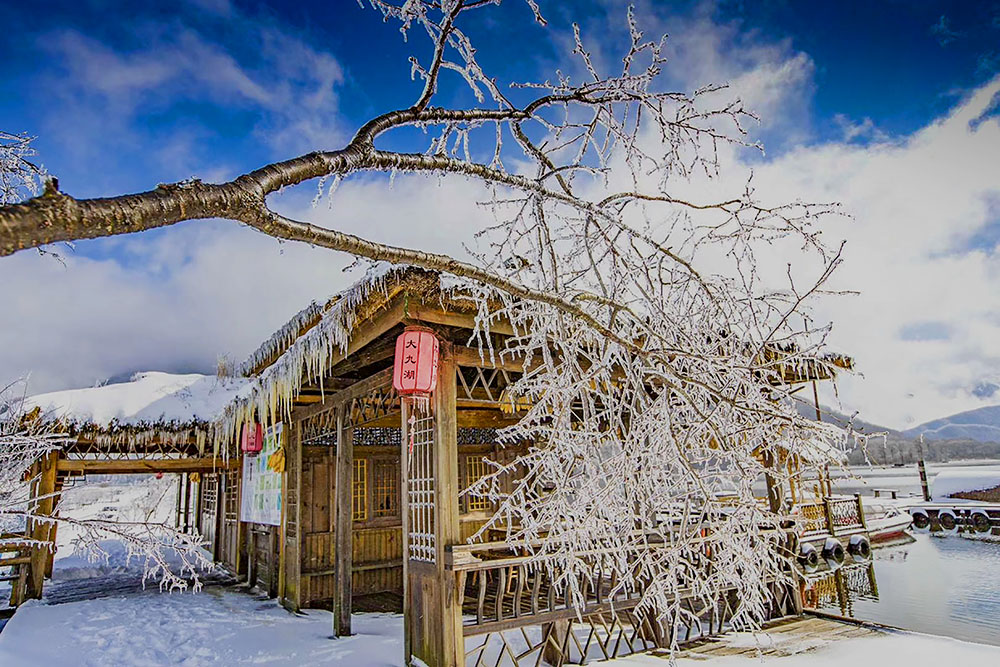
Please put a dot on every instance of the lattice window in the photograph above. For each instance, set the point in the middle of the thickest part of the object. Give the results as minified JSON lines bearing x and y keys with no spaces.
{"x":209,"y":494}
{"x":475,"y":470}
{"x":420,"y":480}
{"x":231,"y":506}
{"x":359,"y":490}
{"x":385,"y":488}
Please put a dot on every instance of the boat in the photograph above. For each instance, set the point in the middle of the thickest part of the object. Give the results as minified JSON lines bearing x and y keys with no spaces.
{"x":890,"y":525}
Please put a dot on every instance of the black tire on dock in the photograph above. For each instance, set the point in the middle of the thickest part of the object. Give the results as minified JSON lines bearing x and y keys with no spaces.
{"x":921,"y":520}
{"x":947,"y":520}
{"x":833,"y":550}
{"x":860,"y":548}
{"x":808,"y":557}
{"x":980,"y":522}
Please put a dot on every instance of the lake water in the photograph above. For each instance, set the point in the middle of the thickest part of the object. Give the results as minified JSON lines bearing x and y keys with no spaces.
{"x":943,"y":585}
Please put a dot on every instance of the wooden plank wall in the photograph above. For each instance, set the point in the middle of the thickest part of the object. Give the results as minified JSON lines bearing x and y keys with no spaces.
{"x":316,"y":515}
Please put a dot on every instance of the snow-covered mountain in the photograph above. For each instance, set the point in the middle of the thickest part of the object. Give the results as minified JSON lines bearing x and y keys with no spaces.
{"x":968,"y":435}
{"x":981,"y":424}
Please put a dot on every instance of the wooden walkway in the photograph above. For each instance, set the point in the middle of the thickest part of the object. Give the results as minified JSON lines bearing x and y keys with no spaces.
{"x":785,"y":637}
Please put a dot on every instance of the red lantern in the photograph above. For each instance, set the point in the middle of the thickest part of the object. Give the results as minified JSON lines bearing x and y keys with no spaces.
{"x":252,"y":440}
{"x":416,"y":366}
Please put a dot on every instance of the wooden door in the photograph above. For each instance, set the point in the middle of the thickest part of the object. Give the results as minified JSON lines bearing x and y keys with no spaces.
{"x":317,"y":512}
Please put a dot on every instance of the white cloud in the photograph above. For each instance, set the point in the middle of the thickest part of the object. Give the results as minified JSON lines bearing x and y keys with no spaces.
{"x":917,"y":202}
{"x":290,"y":85}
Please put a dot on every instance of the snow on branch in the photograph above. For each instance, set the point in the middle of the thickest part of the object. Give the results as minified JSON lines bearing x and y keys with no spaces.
{"x":19,"y":176}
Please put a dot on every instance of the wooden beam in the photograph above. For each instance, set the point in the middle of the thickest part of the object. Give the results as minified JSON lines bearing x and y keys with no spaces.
{"x":134,"y":466}
{"x":374,"y":352}
{"x":464,"y":320}
{"x":470,"y":358}
{"x":342,"y":528}
{"x":356,"y":390}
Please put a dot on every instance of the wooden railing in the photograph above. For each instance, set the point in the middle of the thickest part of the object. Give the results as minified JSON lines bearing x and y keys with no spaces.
{"x":832,"y":516}
{"x":514,"y":608}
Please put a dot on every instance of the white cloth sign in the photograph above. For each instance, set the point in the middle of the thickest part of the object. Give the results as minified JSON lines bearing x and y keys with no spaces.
{"x":261,"y":501}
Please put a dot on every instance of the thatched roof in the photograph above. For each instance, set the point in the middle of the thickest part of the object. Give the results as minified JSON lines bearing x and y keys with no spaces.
{"x":150,"y":406}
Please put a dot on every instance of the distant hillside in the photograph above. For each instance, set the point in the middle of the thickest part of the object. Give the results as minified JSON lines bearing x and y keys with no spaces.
{"x":968,"y":435}
{"x":982,"y":424}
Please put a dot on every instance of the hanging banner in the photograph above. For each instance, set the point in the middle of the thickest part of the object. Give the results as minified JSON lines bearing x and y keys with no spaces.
{"x":261,"y":501}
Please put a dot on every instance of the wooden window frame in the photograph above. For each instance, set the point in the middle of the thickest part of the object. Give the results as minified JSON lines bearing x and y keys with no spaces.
{"x":388,"y":486}
{"x":359,"y":491}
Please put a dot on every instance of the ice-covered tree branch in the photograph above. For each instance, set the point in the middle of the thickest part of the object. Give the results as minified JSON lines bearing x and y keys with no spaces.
{"x":660,"y":346}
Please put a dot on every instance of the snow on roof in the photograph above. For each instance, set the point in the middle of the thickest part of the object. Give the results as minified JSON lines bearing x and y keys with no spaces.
{"x":283,"y":338}
{"x":149,"y":398}
{"x":299,"y":355}
{"x":950,"y":482}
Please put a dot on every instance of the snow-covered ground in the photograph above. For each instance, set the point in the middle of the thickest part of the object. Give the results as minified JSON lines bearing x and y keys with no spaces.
{"x":228,"y":627}
{"x":215,"y":627}
{"x":888,"y":650}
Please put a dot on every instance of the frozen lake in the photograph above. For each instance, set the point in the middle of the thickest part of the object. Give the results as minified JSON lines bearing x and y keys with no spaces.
{"x":945,"y":585}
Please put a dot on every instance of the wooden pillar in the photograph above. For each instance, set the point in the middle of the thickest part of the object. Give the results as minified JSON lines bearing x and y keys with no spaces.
{"x":433,"y":603}
{"x":343,"y":548}
{"x":447,"y":526}
{"x":186,"y":523}
{"x":177,"y":508}
{"x":198,"y":493}
{"x":51,"y":556}
{"x":43,"y":503}
{"x":404,"y":513}
{"x":292,"y":531}
{"x":556,"y":636}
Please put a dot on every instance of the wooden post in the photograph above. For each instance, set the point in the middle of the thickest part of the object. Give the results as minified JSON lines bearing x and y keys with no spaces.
{"x":343,"y":550}
{"x":922,"y":469}
{"x":199,"y":488}
{"x":446,"y":522}
{"x":556,"y":635}
{"x":828,"y":513}
{"x":51,"y":556}
{"x":177,"y":507}
{"x":241,"y":549}
{"x":273,"y":561}
{"x":43,"y":503}
{"x":187,"y":502}
{"x":433,"y":594}
{"x":251,"y":558}
{"x":293,"y":542}
{"x":861,"y":511}
{"x":404,"y":512}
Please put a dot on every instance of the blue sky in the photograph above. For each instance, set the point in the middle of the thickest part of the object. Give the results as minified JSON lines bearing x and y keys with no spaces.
{"x":122,"y":97}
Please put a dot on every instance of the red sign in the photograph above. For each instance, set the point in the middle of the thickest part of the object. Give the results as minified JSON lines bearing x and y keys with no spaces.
{"x":252,"y":440}
{"x":416,"y":366}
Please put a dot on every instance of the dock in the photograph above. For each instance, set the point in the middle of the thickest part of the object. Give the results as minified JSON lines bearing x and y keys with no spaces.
{"x":785,"y":637}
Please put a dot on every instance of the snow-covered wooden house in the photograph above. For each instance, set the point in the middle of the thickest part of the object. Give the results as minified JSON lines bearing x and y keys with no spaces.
{"x":349,"y":495}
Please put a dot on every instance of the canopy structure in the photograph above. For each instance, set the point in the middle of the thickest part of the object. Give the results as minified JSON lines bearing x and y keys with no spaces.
{"x":154,"y":414}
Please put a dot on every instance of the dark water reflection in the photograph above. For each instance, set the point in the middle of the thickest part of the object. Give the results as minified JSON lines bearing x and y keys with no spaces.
{"x":939,"y":585}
